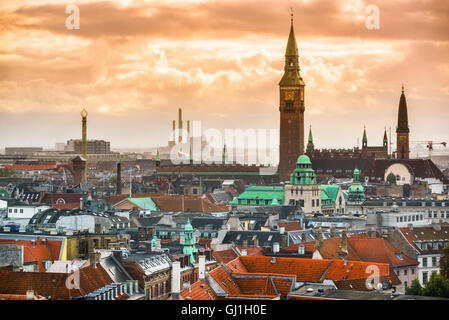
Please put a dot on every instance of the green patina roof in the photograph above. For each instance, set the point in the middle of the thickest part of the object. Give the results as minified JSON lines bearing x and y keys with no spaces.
{"x":365,"y":139}
{"x":310,"y":135}
{"x":303,"y":159}
{"x":331,"y":190}
{"x":188,"y":226}
{"x":261,"y":193}
{"x":4,"y":193}
{"x":145,"y":203}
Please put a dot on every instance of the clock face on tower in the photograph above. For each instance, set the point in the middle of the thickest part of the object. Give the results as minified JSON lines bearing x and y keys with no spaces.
{"x":402,"y":138}
{"x":289,"y":95}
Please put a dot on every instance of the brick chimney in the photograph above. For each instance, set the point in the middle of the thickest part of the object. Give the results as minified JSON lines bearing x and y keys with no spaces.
{"x":344,"y":241}
{"x":319,"y":240}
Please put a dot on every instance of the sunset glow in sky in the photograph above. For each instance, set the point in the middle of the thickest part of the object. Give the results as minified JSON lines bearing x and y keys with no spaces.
{"x":133,"y":63}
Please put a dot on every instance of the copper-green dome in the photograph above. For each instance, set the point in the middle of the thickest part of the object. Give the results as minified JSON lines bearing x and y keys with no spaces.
{"x":188,"y":226}
{"x":356,"y":171}
{"x":303,"y":159}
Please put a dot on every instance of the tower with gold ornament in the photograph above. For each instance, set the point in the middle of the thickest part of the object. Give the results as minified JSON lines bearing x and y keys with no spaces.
{"x":291,"y":108}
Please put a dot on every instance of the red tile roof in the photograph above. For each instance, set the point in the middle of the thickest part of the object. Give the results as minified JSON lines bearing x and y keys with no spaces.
{"x":224,"y":279}
{"x":52,"y":198}
{"x":135,"y":271}
{"x":236,"y":265}
{"x":380,"y":250}
{"x":20,"y":297}
{"x":425,"y":233}
{"x":69,"y":206}
{"x":200,"y":290}
{"x":186,"y":203}
{"x":225,"y":256}
{"x":290,"y":226}
{"x":313,"y":270}
{"x":264,"y":284}
{"x":29,"y":166}
{"x":251,"y":251}
{"x":37,"y":253}
{"x":53,"y":285}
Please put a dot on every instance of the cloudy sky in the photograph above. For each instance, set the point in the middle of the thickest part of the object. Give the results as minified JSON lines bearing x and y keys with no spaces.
{"x":133,"y":63}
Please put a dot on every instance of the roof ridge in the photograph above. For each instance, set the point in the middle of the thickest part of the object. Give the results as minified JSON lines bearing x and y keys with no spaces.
{"x":325,"y":271}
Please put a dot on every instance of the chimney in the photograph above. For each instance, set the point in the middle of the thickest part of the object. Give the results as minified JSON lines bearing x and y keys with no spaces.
{"x":256,"y":242}
{"x":301,"y":250}
{"x":276,"y":247}
{"x":332,"y":231}
{"x":202,"y":267}
{"x":188,"y":130}
{"x":245,"y":244}
{"x":119,"y":178}
{"x":176,"y":278}
{"x":174,"y":130}
{"x":303,"y":237}
{"x":319,"y":240}
{"x":81,"y":203}
{"x":410,"y":226}
{"x":344,"y":241}
{"x":244,"y":252}
{"x":282,"y":230}
{"x":180,"y":124}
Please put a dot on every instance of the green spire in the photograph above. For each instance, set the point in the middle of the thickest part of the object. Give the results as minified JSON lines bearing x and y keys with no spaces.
{"x":310,"y":135}
{"x":365,"y":139}
{"x":189,"y":242}
{"x":191,"y":154}
{"x":224,"y":155}
{"x":157,"y":155}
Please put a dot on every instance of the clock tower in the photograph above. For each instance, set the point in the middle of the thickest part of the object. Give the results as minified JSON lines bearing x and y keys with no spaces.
{"x":402,"y":130}
{"x":291,"y":108}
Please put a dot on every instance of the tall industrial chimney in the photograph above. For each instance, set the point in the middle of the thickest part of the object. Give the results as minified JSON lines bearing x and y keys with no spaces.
{"x":174,"y":130}
{"x":119,"y":178}
{"x":180,"y":124}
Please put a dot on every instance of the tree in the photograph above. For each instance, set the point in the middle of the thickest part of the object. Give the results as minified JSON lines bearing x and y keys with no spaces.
{"x":438,"y":286}
{"x":444,"y":262}
{"x":391,"y":178}
{"x":415,"y":288}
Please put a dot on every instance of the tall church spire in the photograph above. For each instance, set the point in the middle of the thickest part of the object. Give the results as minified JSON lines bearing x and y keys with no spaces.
{"x":402,"y":130}
{"x":291,"y":68}
{"x":310,"y":145}
{"x":364,"y":139}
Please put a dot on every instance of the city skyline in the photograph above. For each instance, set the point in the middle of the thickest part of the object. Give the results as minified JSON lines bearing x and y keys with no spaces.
{"x":132,"y":64}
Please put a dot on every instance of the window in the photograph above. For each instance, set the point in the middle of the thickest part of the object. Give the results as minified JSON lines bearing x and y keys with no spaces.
{"x":424,"y":262}
{"x":15,"y":210}
{"x":10,"y":210}
{"x":21,"y":210}
{"x":405,"y":272}
{"x":313,"y":203}
{"x":405,"y":284}
{"x":424,"y":277}
{"x":413,"y":271}
{"x":434,"y":261}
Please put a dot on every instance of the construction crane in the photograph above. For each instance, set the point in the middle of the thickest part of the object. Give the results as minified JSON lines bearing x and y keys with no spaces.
{"x":429,"y":145}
